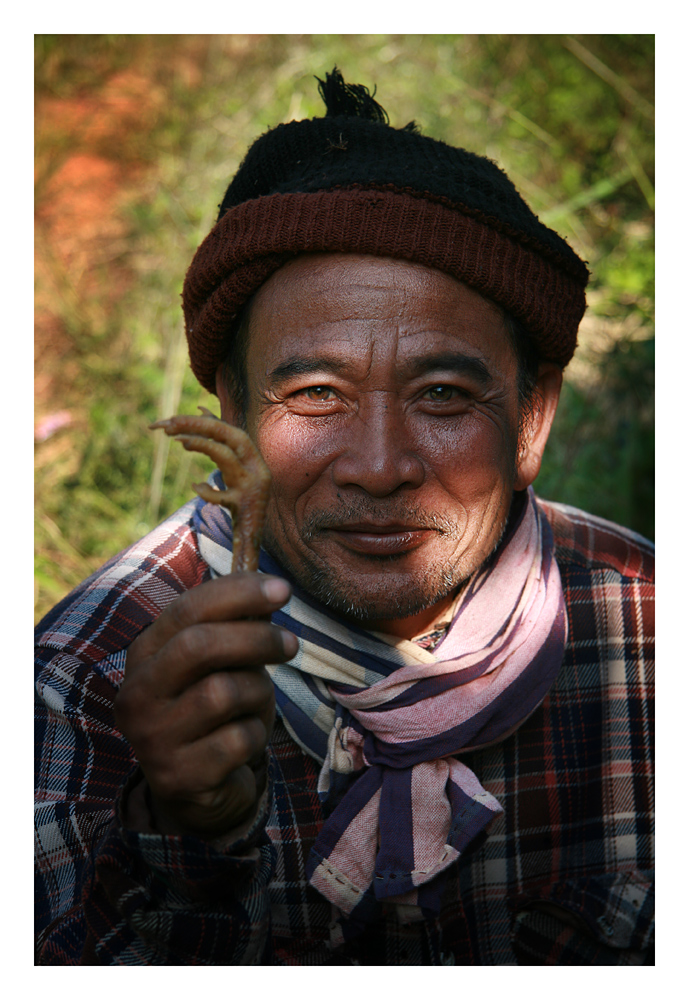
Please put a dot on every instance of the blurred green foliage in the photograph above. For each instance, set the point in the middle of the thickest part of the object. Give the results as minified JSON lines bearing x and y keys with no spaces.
{"x":569,"y":118}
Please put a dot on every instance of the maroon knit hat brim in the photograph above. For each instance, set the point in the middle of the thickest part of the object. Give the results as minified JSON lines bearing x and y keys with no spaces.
{"x":255,"y":238}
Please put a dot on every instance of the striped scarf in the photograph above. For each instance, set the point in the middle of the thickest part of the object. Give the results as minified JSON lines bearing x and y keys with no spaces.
{"x":387,"y":721}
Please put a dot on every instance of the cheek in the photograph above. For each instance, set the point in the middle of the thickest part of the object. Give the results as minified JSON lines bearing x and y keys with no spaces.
{"x":295,"y":453}
{"x":471,"y":455}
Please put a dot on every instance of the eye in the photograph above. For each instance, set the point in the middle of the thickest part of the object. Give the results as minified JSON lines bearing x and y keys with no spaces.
{"x":441,"y":393}
{"x":318,"y":392}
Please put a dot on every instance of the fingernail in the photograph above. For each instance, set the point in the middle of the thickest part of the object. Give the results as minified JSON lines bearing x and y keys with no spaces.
{"x":277,"y":591}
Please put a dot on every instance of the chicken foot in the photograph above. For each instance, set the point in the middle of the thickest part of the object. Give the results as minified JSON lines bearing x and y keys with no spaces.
{"x":246,"y":478}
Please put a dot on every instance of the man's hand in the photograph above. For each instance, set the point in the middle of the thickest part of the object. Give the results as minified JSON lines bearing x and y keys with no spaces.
{"x":197,"y":704}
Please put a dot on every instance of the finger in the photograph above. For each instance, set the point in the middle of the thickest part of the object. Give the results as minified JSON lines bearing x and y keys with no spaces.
{"x":200,"y":768}
{"x":216,"y":701}
{"x":206,"y":648}
{"x":221,"y":698}
{"x":228,"y":598}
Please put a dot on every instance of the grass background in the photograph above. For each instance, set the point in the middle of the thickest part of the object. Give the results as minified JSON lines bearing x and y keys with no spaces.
{"x":136,"y":139}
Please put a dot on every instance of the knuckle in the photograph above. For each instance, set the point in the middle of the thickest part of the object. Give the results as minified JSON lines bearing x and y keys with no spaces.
{"x":193,"y":643}
{"x":243,"y":740}
{"x":216,"y":693}
{"x":211,"y":800}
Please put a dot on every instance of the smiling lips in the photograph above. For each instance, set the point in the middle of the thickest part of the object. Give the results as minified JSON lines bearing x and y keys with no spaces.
{"x":380,"y":539}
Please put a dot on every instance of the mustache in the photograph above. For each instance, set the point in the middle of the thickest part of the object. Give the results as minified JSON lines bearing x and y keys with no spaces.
{"x":396,"y":511}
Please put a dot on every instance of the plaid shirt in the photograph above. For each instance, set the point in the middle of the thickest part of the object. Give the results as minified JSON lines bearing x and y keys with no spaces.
{"x":564,"y":875}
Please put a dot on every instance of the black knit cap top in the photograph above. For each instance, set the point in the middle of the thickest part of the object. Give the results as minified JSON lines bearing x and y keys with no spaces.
{"x":349,"y":182}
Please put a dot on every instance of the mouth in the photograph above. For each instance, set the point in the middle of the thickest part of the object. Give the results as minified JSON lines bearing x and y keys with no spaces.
{"x":380,"y":539}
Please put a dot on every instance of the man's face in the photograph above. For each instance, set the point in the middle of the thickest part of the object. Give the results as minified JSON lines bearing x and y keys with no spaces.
{"x":383,"y":398}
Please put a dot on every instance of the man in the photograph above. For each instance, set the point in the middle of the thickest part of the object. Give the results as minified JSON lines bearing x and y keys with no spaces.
{"x":459,"y":767}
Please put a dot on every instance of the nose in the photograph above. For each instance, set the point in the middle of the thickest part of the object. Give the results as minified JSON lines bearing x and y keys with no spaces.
{"x":378,"y":455}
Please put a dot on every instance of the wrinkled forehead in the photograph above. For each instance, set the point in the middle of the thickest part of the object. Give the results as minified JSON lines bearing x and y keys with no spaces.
{"x":344,"y":302}
{"x":352,"y":283}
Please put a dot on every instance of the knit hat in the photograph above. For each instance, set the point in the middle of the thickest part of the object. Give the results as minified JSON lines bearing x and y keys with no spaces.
{"x":351,"y":183}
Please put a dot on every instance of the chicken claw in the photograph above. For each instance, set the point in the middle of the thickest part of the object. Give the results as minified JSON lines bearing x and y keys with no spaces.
{"x":246,"y":478}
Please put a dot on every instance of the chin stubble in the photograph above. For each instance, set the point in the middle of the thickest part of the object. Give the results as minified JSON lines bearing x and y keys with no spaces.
{"x":319,"y":580}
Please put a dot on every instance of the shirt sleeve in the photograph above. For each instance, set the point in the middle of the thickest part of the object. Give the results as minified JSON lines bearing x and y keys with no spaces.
{"x":107,"y":895}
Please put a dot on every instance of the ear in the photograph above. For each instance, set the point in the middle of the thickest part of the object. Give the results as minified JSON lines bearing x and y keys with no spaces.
{"x":229,"y":411}
{"x":538,"y":423}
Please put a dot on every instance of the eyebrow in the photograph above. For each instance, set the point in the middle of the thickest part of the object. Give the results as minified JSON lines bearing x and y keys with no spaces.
{"x":453,"y":361}
{"x":296,"y":366}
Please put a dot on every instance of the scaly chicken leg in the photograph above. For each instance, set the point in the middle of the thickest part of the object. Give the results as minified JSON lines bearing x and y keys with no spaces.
{"x":246,"y":478}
